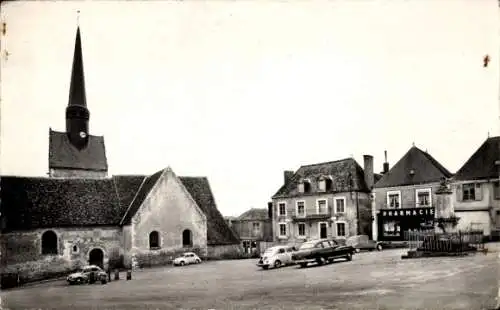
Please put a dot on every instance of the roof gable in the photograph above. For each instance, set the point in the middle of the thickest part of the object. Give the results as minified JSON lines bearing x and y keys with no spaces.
{"x":63,"y":155}
{"x":426,"y":170}
{"x":481,"y":165}
{"x":346,"y":174}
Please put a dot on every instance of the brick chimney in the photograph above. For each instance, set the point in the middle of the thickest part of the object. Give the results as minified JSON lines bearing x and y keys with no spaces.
{"x":386,"y":164}
{"x":288,"y":176}
{"x":368,"y":169}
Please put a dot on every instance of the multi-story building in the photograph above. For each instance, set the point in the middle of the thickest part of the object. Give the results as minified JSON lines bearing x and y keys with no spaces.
{"x":404,"y":198}
{"x":324,"y":200}
{"x":476,"y":190}
{"x":253,"y":228}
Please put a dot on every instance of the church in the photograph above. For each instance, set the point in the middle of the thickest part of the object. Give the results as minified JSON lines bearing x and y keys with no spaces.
{"x":79,"y":215}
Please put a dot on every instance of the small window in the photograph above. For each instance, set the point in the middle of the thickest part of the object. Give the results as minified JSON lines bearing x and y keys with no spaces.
{"x":282,"y":208}
{"x":341,"y":229}
{"x":256,"y":227}
{"x":322,"y":206}
{"x":75,"y":249}
{"x":301,"y":208}
{"x":302,"y":229}
{"x":496,"y":190}
{"x":307,"y":187}
{"x":469,"y":192}
{"x":394,"y":199}
{"x":340,"y":205}
{"x":328,"y":184}
{"x":282,"y":229}
{"x":154,"y":240}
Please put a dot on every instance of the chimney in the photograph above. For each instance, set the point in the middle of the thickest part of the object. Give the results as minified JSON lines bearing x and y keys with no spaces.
{"x":270,"y":209}
{"x":386,"y":163}
{"x":288,"y":176}
{"x":368,"y":169}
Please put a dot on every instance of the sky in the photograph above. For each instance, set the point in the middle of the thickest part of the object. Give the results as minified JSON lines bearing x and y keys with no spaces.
{"x":240,"y":91}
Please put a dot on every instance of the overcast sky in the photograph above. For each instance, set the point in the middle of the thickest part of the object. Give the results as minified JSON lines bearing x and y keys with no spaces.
{"x":240,"y":91}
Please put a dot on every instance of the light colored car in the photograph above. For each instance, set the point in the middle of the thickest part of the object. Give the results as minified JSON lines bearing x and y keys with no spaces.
{"x":88,"y":274}
{"x":362,"y":242}
{"x":276,"y":256}
{"x":187,"y":259}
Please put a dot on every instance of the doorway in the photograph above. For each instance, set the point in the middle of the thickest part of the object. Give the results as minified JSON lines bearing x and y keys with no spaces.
{"x":322,"y":230}
{"x":96,"y":257}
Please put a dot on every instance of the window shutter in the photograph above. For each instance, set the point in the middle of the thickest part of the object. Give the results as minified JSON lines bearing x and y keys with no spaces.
{"x":478,"y":192}
{"x":459,"y":192}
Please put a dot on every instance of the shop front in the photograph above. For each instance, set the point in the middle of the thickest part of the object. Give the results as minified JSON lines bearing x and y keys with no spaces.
{"x":393,"y":223}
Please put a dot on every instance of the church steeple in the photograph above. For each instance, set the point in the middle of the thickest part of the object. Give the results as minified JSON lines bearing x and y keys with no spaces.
{"x":77,"y":114}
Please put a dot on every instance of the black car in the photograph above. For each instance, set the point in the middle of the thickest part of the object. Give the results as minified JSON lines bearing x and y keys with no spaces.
{"x":321,"y":251}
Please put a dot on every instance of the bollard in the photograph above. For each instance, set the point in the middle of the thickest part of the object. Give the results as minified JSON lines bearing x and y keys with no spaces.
{"x":129,"y":274}
{"x":117,"y":275}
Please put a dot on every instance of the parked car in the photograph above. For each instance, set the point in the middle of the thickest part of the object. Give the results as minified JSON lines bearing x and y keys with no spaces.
{"x":362,"y":242}
{"x":88,"y":274}
{"x":276,"y":256}
{"x":321,"y":251}
{"x":187,"y":259}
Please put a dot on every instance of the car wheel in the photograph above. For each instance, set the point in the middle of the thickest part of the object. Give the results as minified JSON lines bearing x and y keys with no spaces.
{"x":79,"y":281}
{"x":320,"y":260}
{"x":349,"y":257}
{"x":303,"y":265}
{"x":198,"y":261}
{"x":330,"y":260}
{"x":357,"y":250}
{"x":277,"y":264}
{"x":103,"y":281}
{"x":182,"y":263}
{"x":379,"y":247}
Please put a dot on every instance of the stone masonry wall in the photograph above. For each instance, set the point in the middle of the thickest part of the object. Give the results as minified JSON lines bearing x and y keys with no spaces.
{"x":69,"y":173}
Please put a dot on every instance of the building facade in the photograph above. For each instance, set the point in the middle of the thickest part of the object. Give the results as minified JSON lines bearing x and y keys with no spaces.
{"x":404,"y":198}
{"x":326,"y":200}
{"x":476,"y":192}
{"x":254,"y":229}
{"x":79,"y":215}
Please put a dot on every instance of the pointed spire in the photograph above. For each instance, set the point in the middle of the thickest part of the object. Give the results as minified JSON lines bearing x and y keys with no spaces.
{"x":77,"y":86}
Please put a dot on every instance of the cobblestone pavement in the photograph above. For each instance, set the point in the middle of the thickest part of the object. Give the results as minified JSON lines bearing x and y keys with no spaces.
{"x":373,"y":280}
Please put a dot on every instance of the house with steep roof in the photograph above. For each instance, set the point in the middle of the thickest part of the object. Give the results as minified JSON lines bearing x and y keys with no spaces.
{"x":404,"y":198}
{"x":254,"y":229}
{"x":324,"y":200}
{"x":476,"y":190}
{"x":78,"y":215}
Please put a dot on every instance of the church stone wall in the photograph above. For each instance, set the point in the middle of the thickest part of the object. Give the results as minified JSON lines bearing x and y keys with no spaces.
{"x":74,"y":174}
{"x":24,"y":251}
{"x":169,"y":210}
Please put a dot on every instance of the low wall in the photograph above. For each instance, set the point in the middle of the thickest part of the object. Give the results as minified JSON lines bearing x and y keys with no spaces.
{"x":231,"y":251}
{"x":159,"y":257}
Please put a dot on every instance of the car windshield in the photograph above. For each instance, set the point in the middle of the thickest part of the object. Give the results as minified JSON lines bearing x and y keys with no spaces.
{"x":307,"y":245}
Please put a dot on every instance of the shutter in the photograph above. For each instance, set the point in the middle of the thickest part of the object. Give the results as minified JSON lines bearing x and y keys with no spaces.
{"x":478,"y":192}
{"x":459,"y":192}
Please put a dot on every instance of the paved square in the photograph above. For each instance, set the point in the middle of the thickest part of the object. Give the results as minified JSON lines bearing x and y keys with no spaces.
{"x":373,"y":280}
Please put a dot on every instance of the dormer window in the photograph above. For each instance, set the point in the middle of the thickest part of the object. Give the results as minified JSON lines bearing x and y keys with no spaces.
{"x":325,"y":183}
{"x":304,"y":186}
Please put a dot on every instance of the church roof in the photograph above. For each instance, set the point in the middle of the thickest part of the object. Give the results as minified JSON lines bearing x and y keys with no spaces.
{"x":425,"y":168}
{"x":481,"y":165}
{"x":346,"y":175}
{"x":63,"y":155}
{"x":31,"y":203}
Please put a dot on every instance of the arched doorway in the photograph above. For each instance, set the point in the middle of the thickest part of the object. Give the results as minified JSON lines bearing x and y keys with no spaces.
{"x":96,"y":257}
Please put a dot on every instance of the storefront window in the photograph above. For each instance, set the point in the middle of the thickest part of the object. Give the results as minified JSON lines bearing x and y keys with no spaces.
{"x":392,"y":229}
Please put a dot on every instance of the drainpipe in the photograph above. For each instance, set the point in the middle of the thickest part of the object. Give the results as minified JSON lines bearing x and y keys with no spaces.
{"x":357,"y":214}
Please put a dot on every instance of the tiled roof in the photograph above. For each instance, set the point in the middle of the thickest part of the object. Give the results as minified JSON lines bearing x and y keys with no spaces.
{"x":426,"y":170}
{"x":218,"y":232}
{"x":63,"y":155}
{"x":347,"y":175}
{"x":255,"y":214}
{"x":30,"y":203}
{"x":481,"y":165}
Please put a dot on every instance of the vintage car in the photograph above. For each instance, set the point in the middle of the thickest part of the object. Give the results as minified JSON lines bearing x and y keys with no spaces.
{"x":321,"y":251}
{"x":362,"y":242}
{"x":187,"y":259}
{"x":88,"y":274}
{"x":276,"y":257}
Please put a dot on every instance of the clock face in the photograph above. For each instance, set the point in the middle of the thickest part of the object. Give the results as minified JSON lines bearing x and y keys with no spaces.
{"x":83,"y":134}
